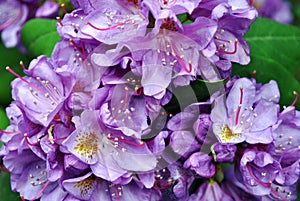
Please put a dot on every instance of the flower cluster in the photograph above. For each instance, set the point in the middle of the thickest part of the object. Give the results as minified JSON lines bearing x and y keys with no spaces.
{"x":14,"y":13}
{"x":91,"y":122}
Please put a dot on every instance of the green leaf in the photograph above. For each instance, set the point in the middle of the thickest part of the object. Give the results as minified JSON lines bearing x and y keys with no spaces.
{"x":39,"y":36}
{"x":3,"y":119}
{"x":5,"y":190}
{"x":275,"y":56}
{"x":183,"y":16}
{"x":9,"y":57}
{"x":276,"y":41}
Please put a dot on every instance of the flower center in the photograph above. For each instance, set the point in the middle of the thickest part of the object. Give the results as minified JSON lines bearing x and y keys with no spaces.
{"x":227,"y":134}
{"x":169,"y":24}
{"x":87,"y":143}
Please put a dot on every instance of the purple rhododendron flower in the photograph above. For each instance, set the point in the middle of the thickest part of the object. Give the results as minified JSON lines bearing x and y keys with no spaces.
{"x":279,"y":10}
{"x":259,"y":170}
{"x":44,"y":91}
{"x":241,"y":117}
{"x":109,"y":155}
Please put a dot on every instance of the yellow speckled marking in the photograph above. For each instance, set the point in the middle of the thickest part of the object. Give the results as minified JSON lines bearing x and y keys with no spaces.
{"x":227,"y":134}
{"x":85,"y":185}
{"x":87,"y":144}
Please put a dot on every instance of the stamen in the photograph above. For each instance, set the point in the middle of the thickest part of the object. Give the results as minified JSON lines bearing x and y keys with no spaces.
{"x":253,"y":74}
{"x":63,"y":6}
{"x":268,"y":185}
{"x":188,"y":70}
{"x":251,"y":2}
{"x":126,"y":98}
{"x":74,"y":44}
{"x":24,"y":80}
{"x":227,"y":52}
{"x":40,"y":192}
{"x":9,"y":132}
{"x":296,"y":98}
{"x":22,"y":198}
{"x":28,"y":142}
{"x":83,"y":50}
{"x":139,"y":144}
{"x":239,"y":107}
{"x":219,"y":39}
{"x":105,"y":29}
{"x":3,"y":169}
{"x":277,"y":195}
{"x":190,"y":67}
{"x":117,"y":193}
{"x":22,"y":65}
{"x":59,"y":21}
